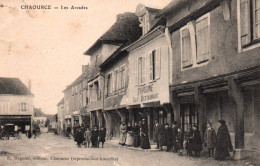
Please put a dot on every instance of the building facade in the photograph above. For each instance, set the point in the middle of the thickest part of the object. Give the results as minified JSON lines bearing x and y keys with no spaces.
{"x":61,"y":117}
{"x":107,"y":83}
{"x":16,"y":104}
{"x":215,"y":66}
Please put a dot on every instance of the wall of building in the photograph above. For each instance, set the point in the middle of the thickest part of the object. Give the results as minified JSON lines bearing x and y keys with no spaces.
{"x":119,"y":97}
{"x":158,"y":89}
{"x":11,"y":105}
{"x":224,"y":48}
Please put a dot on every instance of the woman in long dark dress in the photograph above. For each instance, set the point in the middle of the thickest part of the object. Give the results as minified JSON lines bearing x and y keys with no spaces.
{"x":145,"y":144}
{"x":223,"y":142}
{"x":136,"y":131}
{"x":196,"y":142}
{"x":79,"y":138}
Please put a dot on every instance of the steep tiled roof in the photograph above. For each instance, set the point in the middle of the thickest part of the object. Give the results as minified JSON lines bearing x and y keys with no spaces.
{"x":13,"y":86}
{"x":126,"y":27}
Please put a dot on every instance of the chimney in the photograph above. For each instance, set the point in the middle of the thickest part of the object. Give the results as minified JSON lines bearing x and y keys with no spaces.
{"x":85,"y":68}
{"x":30,"y":85}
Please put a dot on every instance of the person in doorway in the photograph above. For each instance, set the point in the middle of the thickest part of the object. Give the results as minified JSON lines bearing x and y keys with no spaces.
{"x":79,"y":137}
{"x":68,"y":131}
{"x":87,"y":136}
{"x":94,"y":137}
{"x":196,"y":142}
{"x":123,"y":133}
{"x":174,"y":135}
{"x":136,"y":132}
{"x":179,"y":141}
{"x":188,"y":141}
{"x":223,"y":142}
{"x":145,"y":144}
{"x":130,"y":135}
{"x":168,"y":137}
{"x":210,"y":139}
{"x":101,"y":136}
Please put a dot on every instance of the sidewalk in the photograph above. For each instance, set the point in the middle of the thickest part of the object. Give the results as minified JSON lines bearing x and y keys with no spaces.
{"x":253,"y":160}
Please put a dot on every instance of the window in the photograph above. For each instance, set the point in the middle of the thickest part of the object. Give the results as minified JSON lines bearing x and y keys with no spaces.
{"x":109,"y":84}
{"x":189,"y":116}
{"x":123,"y":75}
{"x":186,"y":49}
{"x":23,"y":107}
{"x":116,"y":76}
{"x":195,"y":42}
{"x":249,"y":22}
{"x":202,"y":32}
{"x":155,"y":64}
{"x":141,"y":70}
{"x":145,"y":23}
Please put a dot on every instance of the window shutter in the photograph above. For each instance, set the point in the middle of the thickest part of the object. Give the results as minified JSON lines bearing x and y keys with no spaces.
{"x":143,"y":70}
{"x":203,"y":45}
{"x":106,"y":85}
{"x":139,"y":71}
{"x":136,"y":72}
{"x":20,"y":107}
{"x":151,"y":65}
{"x":158,"y":63}
{"x":256,"y":17}
{"x":244,"y":21}
{"x":123,"y":77}
{"x":186,"y":49}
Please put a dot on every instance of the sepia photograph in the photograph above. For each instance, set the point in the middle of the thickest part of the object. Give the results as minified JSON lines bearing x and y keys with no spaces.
{"x":129,"y":82}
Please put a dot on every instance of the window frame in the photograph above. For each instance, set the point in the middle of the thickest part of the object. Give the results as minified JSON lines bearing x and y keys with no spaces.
{"x":191,"y":26}
{"x":254,"y":43}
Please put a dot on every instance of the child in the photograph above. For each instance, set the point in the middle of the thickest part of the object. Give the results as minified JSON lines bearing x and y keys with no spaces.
{"x":87,"y":136}
{"x":210,"y":139}
{"x":101,"y":136}
{"x":179,"y":141}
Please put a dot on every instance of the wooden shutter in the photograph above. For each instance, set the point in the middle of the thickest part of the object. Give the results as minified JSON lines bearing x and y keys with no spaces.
{"x":203,"y":42}
{"x":158,"y":63}
{"x":151,"y":65}
{"x":139,"y":70}
{"x":136,"y":71}
{"x":256,"y":18}
{"x":143,"y":70}
{"x":245,"y":21}
{"x":106,"y":85}
{"x":186,"y":49}
{"x":123,"y":77}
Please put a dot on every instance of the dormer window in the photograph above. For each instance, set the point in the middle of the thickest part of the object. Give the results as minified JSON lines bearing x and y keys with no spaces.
{"x":145,"y":23}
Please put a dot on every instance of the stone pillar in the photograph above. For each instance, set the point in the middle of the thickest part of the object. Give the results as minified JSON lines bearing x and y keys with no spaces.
{"x":236,"y":95}
{"x":108,"y":119}
{"x":168,"y":109}
{"x":131,"y":116}
{"x":100,"y":118}
{"x":176,"y":108}
{"x":149,"y":123}
{"x":200,"y":101}
{"x":121,"y":114}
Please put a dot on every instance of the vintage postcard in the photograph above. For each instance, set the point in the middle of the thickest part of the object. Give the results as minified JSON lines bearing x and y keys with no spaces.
{"x":129,"y":82}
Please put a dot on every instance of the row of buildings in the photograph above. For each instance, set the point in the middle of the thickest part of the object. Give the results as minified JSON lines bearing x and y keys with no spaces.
{"x":192,"y":62}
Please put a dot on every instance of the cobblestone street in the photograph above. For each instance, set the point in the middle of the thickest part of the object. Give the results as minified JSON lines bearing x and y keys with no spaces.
{"x":50,"y":149}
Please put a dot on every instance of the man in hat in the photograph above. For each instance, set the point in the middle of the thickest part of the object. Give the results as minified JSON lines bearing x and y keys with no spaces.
{"x":94,"y":137}
{"x":158,"y":135}
{"x":196,"y":141}
{"x":168,"y":137}
{"x":223,"y":142}
{"x":174,"y":135}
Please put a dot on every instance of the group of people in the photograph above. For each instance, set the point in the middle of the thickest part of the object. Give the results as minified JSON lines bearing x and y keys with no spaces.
{"x":218,"y":144}
{"x":86,"y":136}
{"x":136,"y":136}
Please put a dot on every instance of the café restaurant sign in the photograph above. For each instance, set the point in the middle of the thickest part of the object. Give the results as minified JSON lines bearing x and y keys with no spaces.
{"x":145,"y":93}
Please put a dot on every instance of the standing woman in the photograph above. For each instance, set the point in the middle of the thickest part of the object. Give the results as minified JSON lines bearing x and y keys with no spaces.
{"x":130,"y":135}
{"x":196,"y":142}
{"x":145,"y":144}
{"x":136,"y":132}
{"x":123,"y":133}
{"x":223,"y":142}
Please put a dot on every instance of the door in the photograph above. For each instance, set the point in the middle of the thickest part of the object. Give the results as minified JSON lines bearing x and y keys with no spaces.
{"x":189,"y":116}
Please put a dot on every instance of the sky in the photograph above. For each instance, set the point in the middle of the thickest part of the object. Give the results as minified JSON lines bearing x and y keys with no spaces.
{"x":47,"y":46}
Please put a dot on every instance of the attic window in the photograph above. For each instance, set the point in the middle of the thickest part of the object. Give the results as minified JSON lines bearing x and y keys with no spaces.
{"x":145,"y":24}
